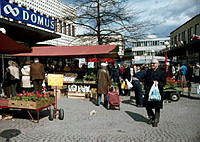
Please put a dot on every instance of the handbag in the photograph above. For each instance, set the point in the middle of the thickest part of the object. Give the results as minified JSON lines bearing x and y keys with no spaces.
{"x":129,"y":84}
{"x":154,"y":93}
{"x":123,"y":85}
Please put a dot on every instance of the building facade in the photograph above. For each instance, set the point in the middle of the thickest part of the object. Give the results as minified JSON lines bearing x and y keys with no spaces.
{"x":185,"y":42}
{"x":34,"y":13}
{"x":143,"y":50}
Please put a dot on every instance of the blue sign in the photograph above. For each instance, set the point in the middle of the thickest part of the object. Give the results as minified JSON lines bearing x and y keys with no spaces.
{"x":21,"y":14}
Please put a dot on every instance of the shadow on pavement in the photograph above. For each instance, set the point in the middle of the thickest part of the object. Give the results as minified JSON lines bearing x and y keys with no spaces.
{"x":136,"y":116}
{"x":129,"y":102}
{"x":10,"y":133}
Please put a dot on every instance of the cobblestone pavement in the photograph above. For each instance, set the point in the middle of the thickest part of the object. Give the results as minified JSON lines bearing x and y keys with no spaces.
{"x":180,"y":122}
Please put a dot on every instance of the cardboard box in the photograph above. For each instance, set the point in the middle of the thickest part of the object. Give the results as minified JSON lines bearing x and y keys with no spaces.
{"x":29,"y":104}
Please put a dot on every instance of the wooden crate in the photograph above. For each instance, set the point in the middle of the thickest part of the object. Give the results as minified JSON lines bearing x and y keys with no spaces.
{"x":3,"y":103}
{"x":29,"y":104}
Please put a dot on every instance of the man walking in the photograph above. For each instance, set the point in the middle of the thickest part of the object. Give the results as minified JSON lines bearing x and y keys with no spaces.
{"x":154,"y":75}
{"x":37,"y":74}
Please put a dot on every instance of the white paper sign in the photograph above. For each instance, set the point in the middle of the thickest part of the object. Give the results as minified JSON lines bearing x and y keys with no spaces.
{"x":90,"y":64}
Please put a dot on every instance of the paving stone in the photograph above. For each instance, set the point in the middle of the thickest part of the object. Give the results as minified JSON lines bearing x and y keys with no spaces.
{"x":179,"y":122}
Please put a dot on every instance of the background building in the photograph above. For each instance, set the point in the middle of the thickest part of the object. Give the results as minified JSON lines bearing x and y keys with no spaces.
{"x":38,"y":11}
{"x":185,"y":42}
{"x":143,"y":50}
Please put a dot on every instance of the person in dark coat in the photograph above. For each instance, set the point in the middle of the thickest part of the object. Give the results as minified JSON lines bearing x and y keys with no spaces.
{"x":126,"y":75}
{"x":154,"y":74}
{"x":136,"y":80}
{"x":103,"y":84}
{"x":37,"y":75}
{"x":115,"y":75}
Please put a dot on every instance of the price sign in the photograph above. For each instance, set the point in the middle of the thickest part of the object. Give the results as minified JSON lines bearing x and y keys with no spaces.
{"x":55,"y":79}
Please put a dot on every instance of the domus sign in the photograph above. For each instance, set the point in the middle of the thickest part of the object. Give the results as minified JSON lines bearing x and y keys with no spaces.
{"x":21,"y":14}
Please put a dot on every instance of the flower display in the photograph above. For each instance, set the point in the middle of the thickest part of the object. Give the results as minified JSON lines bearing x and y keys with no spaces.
{"x":172,"y":84}
{"x":35,"y":97}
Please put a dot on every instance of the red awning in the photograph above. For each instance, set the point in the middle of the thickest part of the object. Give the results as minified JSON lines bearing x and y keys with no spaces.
{"x":69,"y":50}
{"x":10,"y":46}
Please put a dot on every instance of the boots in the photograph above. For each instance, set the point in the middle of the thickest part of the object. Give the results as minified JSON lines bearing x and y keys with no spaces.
{"x":150,"y":121}
{"x":155,"y":124}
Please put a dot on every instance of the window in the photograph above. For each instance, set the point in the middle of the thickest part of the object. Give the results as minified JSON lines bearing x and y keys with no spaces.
{"x":60,"y":26}
{"x":183,"y":36}
{"x":179,"y":37}
{"x":145,"y":43}
{"x":73,"y":30}
{"x":64,"y":28}
{"x":69,"y":29}
{"x":175,"y":39}
{"x":197,"y":29}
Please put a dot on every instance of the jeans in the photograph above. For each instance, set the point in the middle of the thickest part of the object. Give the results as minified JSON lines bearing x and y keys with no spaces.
{"x":13,"y":88}
{"x":105,"y":99}
{"x":138,"y":92}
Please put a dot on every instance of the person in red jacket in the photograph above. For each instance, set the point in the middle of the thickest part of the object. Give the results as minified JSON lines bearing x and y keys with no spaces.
{"x":37,"y":74}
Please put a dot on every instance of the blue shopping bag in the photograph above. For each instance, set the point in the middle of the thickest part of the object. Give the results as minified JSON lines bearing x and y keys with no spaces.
{"x":154,"y":93}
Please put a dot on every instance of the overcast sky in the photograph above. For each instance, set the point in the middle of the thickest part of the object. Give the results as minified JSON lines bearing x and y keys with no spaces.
{"x":166,"y":14}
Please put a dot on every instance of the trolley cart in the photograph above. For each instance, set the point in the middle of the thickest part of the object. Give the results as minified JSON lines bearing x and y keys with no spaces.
{"x":53,"y":113}
{"x":56,"y":81}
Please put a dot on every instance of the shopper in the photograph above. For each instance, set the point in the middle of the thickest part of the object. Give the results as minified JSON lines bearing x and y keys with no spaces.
{"x":37,"y":75}
{"x":126,"y":75}
{"x":115,"y":76}
{"x":136,"y":80}
{"x":14,"y":77}
{"x":26,"y":82}
{"x":154,"y":74}
{"x":183,"y":71}
{"x":196,"y":73}
{"x":103,"y":84}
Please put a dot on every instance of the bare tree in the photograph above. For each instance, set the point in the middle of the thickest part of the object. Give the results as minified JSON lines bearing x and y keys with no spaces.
{"x":104,"y":18}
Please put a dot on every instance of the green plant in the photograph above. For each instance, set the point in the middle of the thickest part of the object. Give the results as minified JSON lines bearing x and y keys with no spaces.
{"x":172,"y":84}
{"x":89,"y":77}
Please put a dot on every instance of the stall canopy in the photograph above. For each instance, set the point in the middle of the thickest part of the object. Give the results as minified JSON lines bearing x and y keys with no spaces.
{"x":10,"y":46}
{"x":69,"y":50}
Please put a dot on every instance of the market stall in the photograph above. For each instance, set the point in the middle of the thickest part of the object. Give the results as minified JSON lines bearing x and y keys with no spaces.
{"x":79,"y":77}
